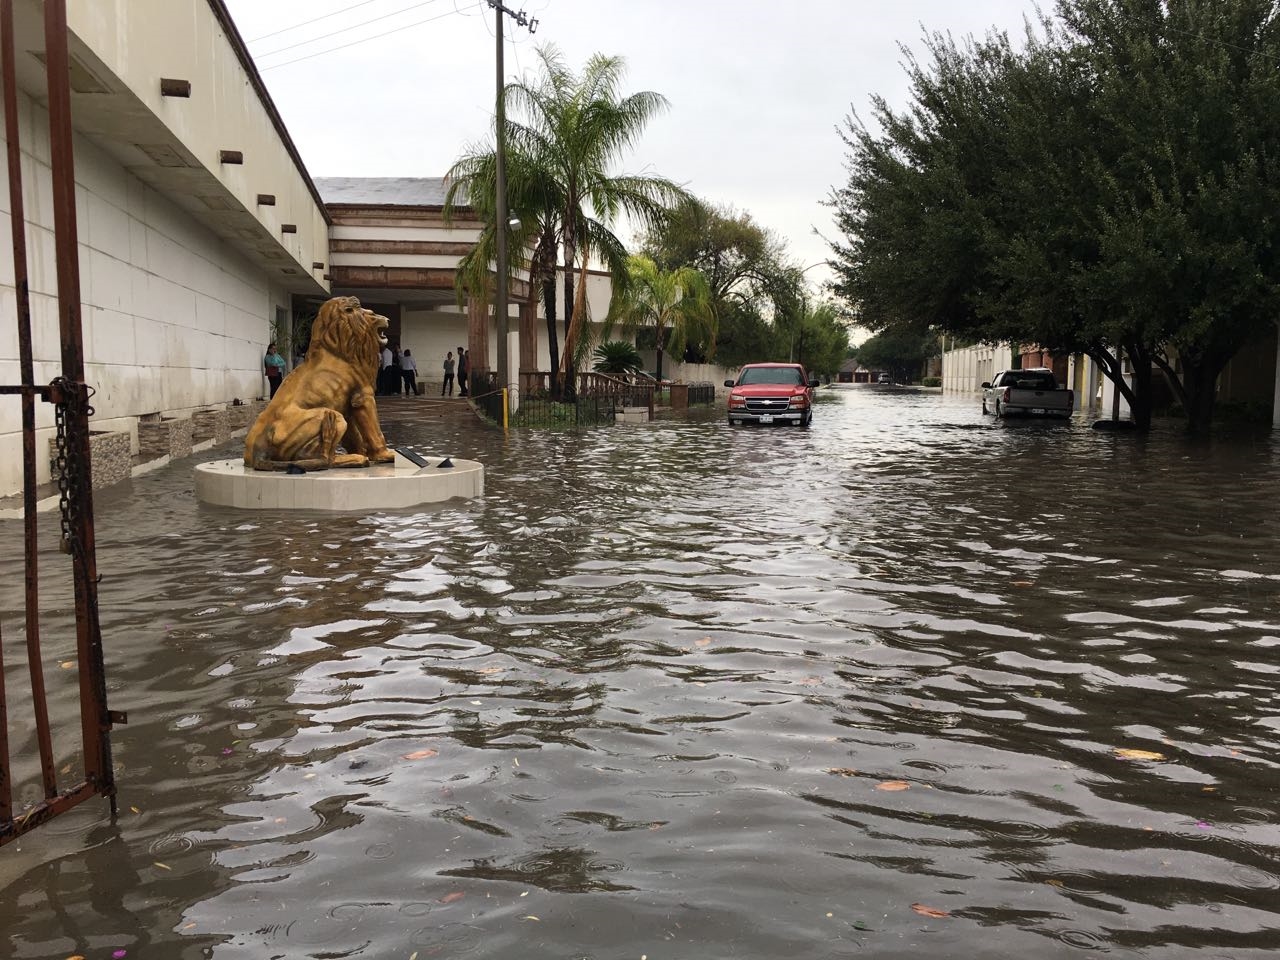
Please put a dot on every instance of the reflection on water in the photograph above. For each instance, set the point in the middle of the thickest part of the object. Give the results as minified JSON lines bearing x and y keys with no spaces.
{"x":684,"y":690}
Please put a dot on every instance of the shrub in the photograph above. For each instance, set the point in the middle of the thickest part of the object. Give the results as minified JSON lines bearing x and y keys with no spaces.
{"x":931,"y":382}
{"x":617,"y":356}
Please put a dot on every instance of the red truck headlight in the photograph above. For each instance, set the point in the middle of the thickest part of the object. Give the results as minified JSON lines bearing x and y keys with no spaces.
{"x":800,"y":400}
{"x":737,"y":400}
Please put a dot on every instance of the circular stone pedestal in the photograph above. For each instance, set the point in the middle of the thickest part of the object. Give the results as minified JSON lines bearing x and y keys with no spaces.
{"x":229,"y":483}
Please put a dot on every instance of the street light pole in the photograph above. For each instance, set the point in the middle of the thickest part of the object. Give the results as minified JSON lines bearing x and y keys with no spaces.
{"x":500,"y":217}
{"x":501,"y":319}
{"x":800,"y":320}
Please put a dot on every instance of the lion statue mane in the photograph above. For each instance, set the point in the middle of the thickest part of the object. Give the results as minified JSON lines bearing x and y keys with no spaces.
{"x":327,"y":402}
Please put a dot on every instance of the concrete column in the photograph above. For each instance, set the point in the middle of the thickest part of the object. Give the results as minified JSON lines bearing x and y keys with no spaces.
{"x":527,"y":362}
{"x":679,"y":396}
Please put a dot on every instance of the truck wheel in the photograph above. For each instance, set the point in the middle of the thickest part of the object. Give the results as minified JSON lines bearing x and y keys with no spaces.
{"x":998,"y":413}
{"x":984,"y":405}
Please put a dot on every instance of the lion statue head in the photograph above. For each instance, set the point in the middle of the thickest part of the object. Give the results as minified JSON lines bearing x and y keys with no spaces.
{"x":350,"y":331}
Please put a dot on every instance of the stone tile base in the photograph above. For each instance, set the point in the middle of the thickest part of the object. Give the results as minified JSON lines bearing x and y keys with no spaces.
{"x":241,"y":417}
{"x":110,"y":458}
{"x":212,"y":425}
{"x":167,"y":437}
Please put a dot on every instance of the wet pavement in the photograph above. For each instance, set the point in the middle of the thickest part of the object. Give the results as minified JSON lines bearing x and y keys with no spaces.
{"x":909,"y":682}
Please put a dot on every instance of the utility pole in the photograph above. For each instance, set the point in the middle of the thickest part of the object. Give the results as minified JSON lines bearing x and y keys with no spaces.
{"x":500,"y":216}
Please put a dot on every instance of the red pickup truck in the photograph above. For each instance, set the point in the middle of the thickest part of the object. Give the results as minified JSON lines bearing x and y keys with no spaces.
{"x":771,"y":393}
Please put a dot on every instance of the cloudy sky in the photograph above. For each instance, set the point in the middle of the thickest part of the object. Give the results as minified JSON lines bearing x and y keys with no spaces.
{"x":757,"y":87}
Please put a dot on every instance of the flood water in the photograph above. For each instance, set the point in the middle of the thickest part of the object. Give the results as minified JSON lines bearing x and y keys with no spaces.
{"x":682,"y":690}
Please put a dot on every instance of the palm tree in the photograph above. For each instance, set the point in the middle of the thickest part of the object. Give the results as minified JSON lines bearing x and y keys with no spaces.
{"x":576,"y":127}
{"x":534,"y":202}
{"x":617,"y":356}
{"x":676,"y":303}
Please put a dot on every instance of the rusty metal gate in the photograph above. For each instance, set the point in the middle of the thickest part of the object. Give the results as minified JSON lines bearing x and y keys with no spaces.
{"x":70,"y":396}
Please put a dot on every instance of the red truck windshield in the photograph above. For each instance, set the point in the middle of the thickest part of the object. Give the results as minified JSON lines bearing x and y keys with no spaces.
{"x":786,"y":376}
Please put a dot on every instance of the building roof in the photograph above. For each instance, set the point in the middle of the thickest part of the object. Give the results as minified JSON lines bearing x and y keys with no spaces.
{"x":384,"y":191}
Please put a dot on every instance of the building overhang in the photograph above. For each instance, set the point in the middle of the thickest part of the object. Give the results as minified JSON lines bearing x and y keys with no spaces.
{"x":107,"y":111}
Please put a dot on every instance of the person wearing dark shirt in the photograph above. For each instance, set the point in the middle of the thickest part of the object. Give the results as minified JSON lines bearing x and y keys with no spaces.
{"x":447,"y":386}
{"x":273,"y":365}
{"x":464,"y":371}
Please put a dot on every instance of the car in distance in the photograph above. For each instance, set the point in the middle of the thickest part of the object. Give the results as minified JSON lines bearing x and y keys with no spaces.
{"x":1032,"y":392}
{"x":771,"y":393}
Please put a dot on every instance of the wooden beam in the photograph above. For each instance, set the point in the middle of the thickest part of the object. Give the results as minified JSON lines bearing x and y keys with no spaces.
{"x":266,"y":199}
{"x":438,"y":248}
{"x":406,"y":278}
{"x":231,"y":156}
{"x":174,"y":88}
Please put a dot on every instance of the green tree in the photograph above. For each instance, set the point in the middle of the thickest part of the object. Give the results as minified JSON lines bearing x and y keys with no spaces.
{"x":753,"y":289}
{"x":1185,"y":92}
{"x":576,"y":127}
{"x":675,"y":303}
{"x":534,"y":201}
{"x":900,"y":351}
{"x":1107,"y":190}
{"x":823,"y":340}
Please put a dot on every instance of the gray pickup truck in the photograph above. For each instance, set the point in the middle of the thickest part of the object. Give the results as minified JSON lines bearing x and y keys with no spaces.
{"x":1031,"y":393}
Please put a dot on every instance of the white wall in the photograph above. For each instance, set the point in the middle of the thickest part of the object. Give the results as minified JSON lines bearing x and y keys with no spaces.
{"x":140,"y":41}
{"x":430,"y":334}
{"x":1109,"y":396}
{"x":1083,"y":376}
{"x":173,"y":318}
{"x":965,"y":369}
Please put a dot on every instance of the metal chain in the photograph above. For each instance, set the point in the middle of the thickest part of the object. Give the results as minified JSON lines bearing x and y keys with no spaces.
{"x":66,"y":461}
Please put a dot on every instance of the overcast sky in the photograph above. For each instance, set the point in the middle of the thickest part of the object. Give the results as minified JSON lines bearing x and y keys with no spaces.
{"x":757,"y":87}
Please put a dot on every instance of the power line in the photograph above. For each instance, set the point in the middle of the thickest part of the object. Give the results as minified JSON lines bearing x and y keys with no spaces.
{"x":304,"y":23}
{"x":346,"y":29}
{"x":376,"y":36}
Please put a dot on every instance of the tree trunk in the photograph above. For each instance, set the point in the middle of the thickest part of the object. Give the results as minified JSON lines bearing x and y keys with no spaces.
{"x":1200,"y":380}
{"x":1140,"y":405}
{"x":570,"y":374}
{"x":553,"y":336}
{"x":477,"y":346}
{"x":576,"y":321}
{"x":1113,"y":370}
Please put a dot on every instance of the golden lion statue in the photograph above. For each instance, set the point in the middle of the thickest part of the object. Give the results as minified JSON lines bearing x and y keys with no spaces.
{"x":328,"y":400}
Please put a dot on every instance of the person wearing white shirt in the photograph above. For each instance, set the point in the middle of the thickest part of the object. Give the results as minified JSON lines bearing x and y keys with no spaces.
{"x":409,"y":371}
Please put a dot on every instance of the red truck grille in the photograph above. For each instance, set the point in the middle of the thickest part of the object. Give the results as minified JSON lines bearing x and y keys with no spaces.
{"x":767,"y":404}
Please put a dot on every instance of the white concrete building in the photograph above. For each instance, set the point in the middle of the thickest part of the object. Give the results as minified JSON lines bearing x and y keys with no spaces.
{"x":197,"y":221}
{"x":202,"y":236}
{"x":965,"y":369}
